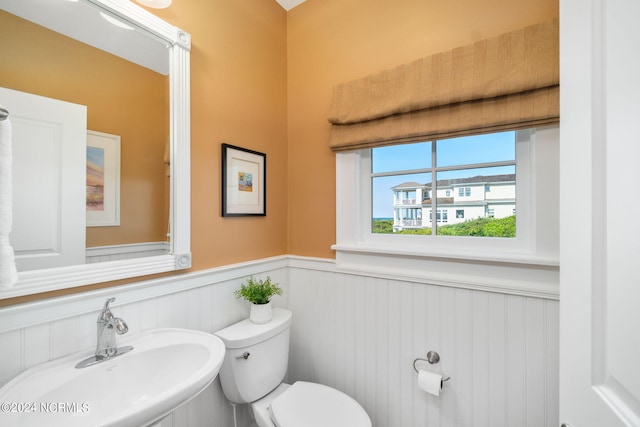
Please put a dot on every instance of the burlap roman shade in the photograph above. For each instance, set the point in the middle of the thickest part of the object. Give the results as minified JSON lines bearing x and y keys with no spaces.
{"x":503,"y":83}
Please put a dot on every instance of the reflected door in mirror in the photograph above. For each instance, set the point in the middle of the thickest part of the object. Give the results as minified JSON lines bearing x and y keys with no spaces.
{"x":49,"y":140}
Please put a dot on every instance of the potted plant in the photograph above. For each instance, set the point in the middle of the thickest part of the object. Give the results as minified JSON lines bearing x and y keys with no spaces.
{"x":259,"y":293}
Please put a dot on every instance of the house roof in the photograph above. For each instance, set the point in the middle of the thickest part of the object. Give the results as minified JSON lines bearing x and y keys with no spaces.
{"x":459,"y":181}
{"x":477,"y":179}
{"x":409,"y":184}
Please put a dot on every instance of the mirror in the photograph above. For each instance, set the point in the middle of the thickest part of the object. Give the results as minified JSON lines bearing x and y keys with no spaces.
{"x":153,"y":44}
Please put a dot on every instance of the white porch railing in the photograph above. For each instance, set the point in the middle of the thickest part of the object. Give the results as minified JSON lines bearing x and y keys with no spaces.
{"x":398,"y":202}
{"x":408,"y":223}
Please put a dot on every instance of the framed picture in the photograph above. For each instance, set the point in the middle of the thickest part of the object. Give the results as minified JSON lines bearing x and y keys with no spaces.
{"x":103,"y":179}
{"x":243,"y":182}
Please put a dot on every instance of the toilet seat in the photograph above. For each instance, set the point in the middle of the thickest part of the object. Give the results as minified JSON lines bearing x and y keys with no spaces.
{"x":316,"y":405}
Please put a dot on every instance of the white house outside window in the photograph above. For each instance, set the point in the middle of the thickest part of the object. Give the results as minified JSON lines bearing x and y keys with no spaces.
{"x":401,"y":176}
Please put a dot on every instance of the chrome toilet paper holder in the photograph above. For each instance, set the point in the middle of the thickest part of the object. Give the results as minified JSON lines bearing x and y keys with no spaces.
{"x":433,"y":358}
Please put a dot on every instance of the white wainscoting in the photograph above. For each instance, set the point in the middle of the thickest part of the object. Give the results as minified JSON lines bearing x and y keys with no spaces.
{"x":352,"y":331}
{"x":361,"y":334}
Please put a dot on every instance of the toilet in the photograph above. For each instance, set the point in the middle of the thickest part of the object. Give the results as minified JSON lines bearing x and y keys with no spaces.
{"x":255,"y":364}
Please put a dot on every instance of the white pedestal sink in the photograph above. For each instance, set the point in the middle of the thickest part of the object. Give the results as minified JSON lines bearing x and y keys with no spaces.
{"x":165,"y":369}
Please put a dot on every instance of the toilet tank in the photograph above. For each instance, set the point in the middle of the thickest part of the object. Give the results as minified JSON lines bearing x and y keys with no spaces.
{"x":246,"y":380}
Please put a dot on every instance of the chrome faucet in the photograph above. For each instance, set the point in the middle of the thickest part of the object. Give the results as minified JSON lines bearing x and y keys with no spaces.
{"x":108,"y":327}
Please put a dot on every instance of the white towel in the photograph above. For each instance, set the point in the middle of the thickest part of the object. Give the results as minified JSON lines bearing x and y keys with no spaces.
{"x":8,"y":273}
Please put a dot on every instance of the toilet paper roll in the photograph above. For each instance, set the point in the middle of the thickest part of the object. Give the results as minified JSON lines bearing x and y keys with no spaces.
{"x":429,"y":382}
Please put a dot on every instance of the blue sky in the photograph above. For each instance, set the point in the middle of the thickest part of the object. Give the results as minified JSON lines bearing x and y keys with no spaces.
{"x":95,"y":156}
{"x":457,"y":151}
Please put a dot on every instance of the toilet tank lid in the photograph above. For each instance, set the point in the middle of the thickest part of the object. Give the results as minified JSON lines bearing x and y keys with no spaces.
{"x":246,"y":333}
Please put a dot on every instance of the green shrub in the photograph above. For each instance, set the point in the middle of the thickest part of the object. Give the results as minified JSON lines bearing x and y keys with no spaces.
{"x":382,"y":226}
{"x":483,"y":227}
{"x":415,"y":231}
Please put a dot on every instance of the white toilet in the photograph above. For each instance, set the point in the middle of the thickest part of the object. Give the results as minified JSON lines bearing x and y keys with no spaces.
{"x":254,"y":367}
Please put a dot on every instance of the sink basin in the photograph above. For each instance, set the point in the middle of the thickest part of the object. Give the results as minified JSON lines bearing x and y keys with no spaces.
{"x":166,"y":368}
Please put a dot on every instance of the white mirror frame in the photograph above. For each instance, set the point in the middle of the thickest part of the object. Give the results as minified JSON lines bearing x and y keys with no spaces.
{"x":179,"y":42}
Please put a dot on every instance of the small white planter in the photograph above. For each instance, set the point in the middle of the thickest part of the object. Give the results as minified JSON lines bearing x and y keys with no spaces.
{"x":261,"y":313}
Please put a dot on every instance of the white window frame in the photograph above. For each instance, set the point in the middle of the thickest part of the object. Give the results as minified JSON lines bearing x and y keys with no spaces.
{"x":442,"y":216}
{"x":526,"y":264}
{"x":464,"y":191}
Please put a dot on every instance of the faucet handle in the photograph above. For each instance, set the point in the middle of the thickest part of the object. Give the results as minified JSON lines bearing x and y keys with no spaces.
{"x":106,"y":313}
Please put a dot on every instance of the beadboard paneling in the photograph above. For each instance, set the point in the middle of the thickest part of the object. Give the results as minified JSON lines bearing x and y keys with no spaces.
{"x":361,"y":334}
{"x":356,"y":332}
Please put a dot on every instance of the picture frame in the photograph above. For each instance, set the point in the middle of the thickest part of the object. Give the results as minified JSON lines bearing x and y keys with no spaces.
{"x":103,"y":179}
{"x":243,"y":182}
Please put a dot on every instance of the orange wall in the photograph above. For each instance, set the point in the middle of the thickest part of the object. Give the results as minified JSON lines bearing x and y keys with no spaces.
{"x":262,"y":78}
{"x":238,"y":96}
{"x":333,"y":41}
{"x":121,"y":98}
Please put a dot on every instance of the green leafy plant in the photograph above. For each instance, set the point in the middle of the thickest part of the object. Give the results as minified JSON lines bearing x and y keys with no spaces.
{"x":258,"y":291}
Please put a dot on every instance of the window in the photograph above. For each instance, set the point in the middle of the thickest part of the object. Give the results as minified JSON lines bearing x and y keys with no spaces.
{"x":464,"y":191}
{"x":364,"y":194}
{"x":467,"y":163}
{"x":441,"y":216}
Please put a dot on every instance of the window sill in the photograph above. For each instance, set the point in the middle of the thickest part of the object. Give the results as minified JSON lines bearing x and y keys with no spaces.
{"x":513,"y":274}
{"x":450,"y":255}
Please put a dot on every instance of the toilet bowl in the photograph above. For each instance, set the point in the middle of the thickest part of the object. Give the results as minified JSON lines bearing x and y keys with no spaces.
{"x":253,"y":372}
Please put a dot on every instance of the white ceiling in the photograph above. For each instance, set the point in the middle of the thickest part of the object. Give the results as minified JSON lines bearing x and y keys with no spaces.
{"x":289,"y":4}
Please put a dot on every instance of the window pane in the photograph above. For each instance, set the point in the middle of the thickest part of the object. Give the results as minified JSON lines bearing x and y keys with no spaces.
{"x":483,"y":202}
{"x":403,"y":202}
{"x":494,"y":147}
{"x":401,"y":157}
{"x":397,"y":201}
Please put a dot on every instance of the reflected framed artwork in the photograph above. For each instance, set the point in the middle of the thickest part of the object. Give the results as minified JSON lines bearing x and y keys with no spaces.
{"x":103,"y":179}
{"x":243,"y":182}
